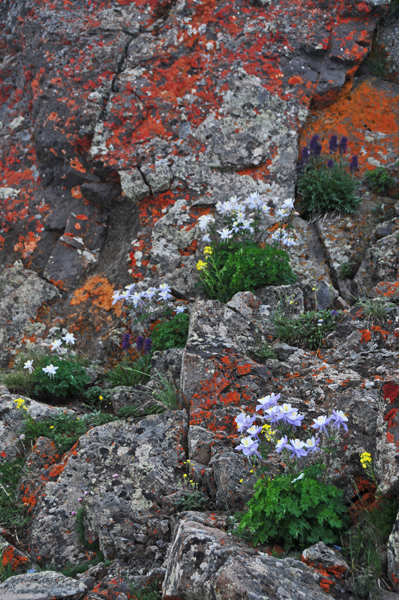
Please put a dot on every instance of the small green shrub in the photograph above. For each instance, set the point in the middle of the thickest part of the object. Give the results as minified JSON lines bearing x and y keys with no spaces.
{"x":295,"y":513}
{"x":377,"y":310}
{"x":97,"y":395}
{"x":12,"y":511}
{"x":266,"y":352}
{"x":19,"y":380}
{"x":307,"y":330}
{"x":64,"y":429}
{"x":346,"y":270}
{"x":70,"y":378}
{"x":238,"y":267}
{"x":365,"y":545}
{"x":147,"y":593}
{"x":80,"y":528}
{"x":325,"y":182}
{"x":171,"y":334}
{"x":379,"y":179}
{"x":129,"y":373}
{"x":192,"y":501}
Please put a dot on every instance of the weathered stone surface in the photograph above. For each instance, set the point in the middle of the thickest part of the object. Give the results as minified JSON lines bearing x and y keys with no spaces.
{"x":321,"y":555}
{"x":46,"y":585}
{"x":133,"y":185}
{"x":14,"y":558}
{"x":122,"y":396}
{"x":22,"y":293}
{"x":11,"y":421}
{"x":129,"y":470}
{"x":393,"y":555}
{"x":205,"y":563}
{"x":387,"y":471}
{"x":168,"y":363}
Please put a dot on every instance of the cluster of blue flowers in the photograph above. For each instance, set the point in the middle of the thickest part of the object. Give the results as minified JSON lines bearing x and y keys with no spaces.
{"x":283,"y":415}
{"x":139,"y":299}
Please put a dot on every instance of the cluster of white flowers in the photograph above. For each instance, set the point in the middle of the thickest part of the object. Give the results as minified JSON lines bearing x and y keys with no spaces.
{"x":241,"y":215}
{"x":51,"y":370}
{"x":136,"y":299}
{"x":282,"y":237}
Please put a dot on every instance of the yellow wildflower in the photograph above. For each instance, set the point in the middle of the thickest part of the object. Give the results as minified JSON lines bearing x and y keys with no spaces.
{"x":201,"y":265}
{"x":51,"y":426}
{"x":208,"y":250}
{"x":100,"y":398}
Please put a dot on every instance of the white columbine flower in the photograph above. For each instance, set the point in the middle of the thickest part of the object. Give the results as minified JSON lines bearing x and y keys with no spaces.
{"x":203,"y":222}
{"x":150,"y":293}
{"x":29,"y":365}
{"x":116,"y":297}
{"x":50,"y":370}
{"x":56,"y":345}
{"x":206,"y":238}
{"x":225,"y":234}
{"x":164,"y":286}
{"x":69,"y":338}
{"x":180,"y":309}
{"x":289,"y":204}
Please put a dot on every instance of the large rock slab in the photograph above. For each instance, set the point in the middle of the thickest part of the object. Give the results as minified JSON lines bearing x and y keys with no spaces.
{"x":125,"y":474}
{"x":46,"y":585}
{"x":22,"y":293}
{"x":205,"y":563}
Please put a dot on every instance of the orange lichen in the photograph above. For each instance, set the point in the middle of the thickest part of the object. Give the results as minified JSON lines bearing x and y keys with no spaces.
{"x":100,"y":292}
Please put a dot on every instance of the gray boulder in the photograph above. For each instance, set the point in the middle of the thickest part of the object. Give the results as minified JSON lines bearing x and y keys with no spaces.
{"x":46,"y":585}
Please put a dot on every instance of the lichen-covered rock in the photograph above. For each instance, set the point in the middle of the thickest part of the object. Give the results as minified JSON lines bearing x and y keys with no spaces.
{"x":321,"y":555}
{"x":128,"y":471}
{"x":46,"y":585}
{"x":22,"y":293}
{"x":386,"y":467}
{"x":11,"y":557}
{"x":12,"y":420}
{"x":205,"y":563}
{"x":122,"y":396}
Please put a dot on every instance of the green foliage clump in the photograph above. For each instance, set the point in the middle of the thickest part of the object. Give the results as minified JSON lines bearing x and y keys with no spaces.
{"x":325,"y":189}
{"x":365,"y":546}
{"x":192,"y":501}
{"x":145,"y":593}
{"x":379,"y":179}
{"x":69,"y":380}
{"x":171,"y":334}
{"x":97,"y":395}
{"x":64,"y":429}
{"x":266,"y":352}
{"x":377,"y":310}
{"x":80,"y":528}
{"x":130,"y":373}
{"x":307,"y":330}
{"x":346,"y":270}
{"x":19,"y":380}
{"x":12,"y":511}
{"x":297,"y":512}
{"x":238,"y":267}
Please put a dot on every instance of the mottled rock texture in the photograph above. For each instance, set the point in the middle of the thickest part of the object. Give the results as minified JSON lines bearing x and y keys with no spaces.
{"x":42,"y":586}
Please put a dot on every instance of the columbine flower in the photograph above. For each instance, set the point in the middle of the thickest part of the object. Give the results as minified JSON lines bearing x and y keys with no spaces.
{"x":204,"y":221}
{"x":296,"y":447}
{"x":271,"y":414}
{"x":165,"y":295}
{"x":285,"y":410}
{"x":249,"y":446}
{"x":244,"y":421}
{"x":206,"y":238}
{"x":165,"y":286}
{"x":339,"y":419}
{"x":136,"y":299}
{"x":321,"y":423}
{"x":51,"y":370}
{"x":116,"y":297}
{"x":288,"y":204}
{"x":180,"y":309}
{"x":254,"y":430}
{"x":56,"y":345}
{"x":29,"y":365}
{"x":267,"y":401}
{"x":281,"y":444}
{"x":312,"y":444}
{"x":225,"y":234}
{"x":294,"y":419}
{"x":150,"y":293}
{"x":69,"y":338}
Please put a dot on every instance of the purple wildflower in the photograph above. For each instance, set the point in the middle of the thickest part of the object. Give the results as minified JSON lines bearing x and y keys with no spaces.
{"x":281,"y":444}
{"x":126,"y":341}
{"x":267,"y":401}
{"x":115,"y":476}
{"x":333,"y":145}
{"x":249,"y":447}
{"x":254,"y":430}
{"x":312,"y":444}
{"x":339,"y":419}
{"x":139,"y":343}
{"x":315,"y":146}
{"x":244,"y":422}
{"x":147,"y":345}
{"x":296,"y":447}
{"x":334,"y":313}
{"x":354,"y":166}
{"x":73,"y":513}
{"x":342,"y":145}
{"x":294,"y":419}
{"x":321,"y":423}
{"x":330,"y":164}
{"x":271,"y":414}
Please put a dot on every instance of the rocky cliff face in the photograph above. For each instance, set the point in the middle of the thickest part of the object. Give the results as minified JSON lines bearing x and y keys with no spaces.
{"x":121,"y":123}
